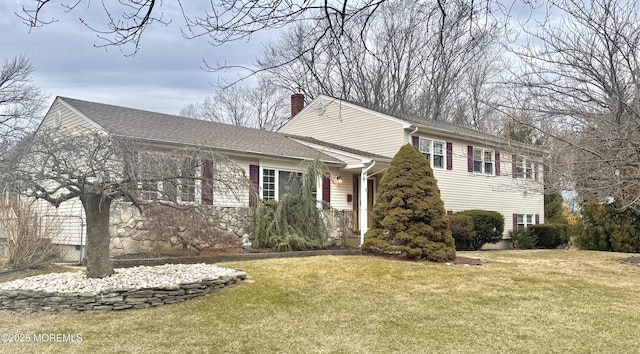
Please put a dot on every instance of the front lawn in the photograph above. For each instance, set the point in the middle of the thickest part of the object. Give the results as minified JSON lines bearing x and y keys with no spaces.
{"x":520,"y":302}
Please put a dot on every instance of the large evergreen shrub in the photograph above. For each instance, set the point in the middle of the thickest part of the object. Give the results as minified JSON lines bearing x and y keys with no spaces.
{"x":409,"y":217}
{"x":488,"y":225}
{"x":608,"y":228}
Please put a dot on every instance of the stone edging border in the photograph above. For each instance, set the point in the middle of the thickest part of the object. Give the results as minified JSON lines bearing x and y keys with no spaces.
{"x":35,"y":301}
{"x":117,"y":300}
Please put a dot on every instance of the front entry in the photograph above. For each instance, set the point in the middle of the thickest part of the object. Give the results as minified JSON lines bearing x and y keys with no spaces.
{"x":370,"y":200}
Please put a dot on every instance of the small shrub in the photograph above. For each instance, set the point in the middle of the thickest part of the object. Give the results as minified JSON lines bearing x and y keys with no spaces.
{"x":523,"y":239}
{"x":548,"y":235}
{"x":488,"y":225}
{"x":462,"y":230}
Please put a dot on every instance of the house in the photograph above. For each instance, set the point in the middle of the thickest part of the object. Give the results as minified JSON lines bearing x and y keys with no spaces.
{"x":474,"y":170}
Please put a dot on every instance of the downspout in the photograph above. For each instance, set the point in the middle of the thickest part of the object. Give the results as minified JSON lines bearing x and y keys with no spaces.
{"x":413,"y":132}
{"x":364,"y":201}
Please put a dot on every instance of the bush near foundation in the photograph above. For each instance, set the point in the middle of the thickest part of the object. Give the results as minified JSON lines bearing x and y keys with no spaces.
{"x":548,"y":235}
{"x":488,"y":225}
{"x":462,"y":230}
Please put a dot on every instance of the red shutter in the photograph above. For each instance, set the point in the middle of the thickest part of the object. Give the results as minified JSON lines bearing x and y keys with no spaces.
{"x":206,"y":197}
{"x":497,"y":163}
{"x":515,"y":221}
{"x":513,"y":165}
{"x":535,"y":172}
{"x":470,"y":158}
{"x":326,"y":189}
{"x":254,"y":177}
{"x":449,"y":156}
{"x":537,"y":218}
{"x":415,"y":141}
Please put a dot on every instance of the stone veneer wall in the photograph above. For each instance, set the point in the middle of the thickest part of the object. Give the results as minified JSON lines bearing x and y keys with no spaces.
{"x":34,"y":301}
{"x":131,"y":233}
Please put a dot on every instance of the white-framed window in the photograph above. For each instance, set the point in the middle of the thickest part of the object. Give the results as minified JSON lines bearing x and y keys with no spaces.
{"x":268,"y":184}
{"x":150,"y":190}
{"x":524,"y":168}
{"x":483,"y":161}
{"x":278,"y":182}
{"x":186,"y":183}
{"x":433,"y":151}
{"x":524,"y":220}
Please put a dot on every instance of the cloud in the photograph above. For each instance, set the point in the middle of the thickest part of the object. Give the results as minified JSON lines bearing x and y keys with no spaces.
{"x":164,"y":76}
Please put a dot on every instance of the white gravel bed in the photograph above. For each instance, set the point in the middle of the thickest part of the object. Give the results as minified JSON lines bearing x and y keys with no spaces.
{"x":141,"y":277}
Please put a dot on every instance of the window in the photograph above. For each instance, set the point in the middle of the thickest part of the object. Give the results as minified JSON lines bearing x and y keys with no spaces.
{"x":528,"y":170}
{"x":433,"y":151}
{"x":483,"y":161}
{"x":276,"y":183}
{"x":524,"y":220}
{"x":425,"y":148}
{"x":524,"y":168}
{"x":187,"y":182}
{"x":438,"y":154}
{"x":289,"y":183}
{"x":150,"y":191}
{"x":268,"y":184}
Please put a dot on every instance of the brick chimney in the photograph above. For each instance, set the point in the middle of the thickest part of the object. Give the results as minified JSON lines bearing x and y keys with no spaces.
{"x":297,"y":103}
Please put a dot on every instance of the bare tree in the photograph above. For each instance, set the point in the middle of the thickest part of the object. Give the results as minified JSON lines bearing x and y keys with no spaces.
{"x":407,"y":58}
{"x":58,"y":165}
{"x":20,"y":101}
{"x":261,"y":106}
{"x":580,"y":77}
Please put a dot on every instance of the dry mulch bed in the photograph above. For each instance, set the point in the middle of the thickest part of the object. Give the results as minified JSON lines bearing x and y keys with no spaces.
{"x":468,"y":261}
{"x":631,"y":260}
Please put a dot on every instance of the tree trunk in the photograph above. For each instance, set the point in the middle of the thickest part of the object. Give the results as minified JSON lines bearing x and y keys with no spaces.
{"x":96,"y":208}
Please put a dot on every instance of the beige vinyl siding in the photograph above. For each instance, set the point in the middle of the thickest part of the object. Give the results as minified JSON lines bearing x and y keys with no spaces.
{"x":221,"y":194}
{"x":66,"y":116}
{"x":339,"y":192}
{"x":347,"y":125}
{"x":463,"y":190}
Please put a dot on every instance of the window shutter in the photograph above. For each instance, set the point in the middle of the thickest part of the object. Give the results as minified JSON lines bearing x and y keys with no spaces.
{"x":535,"y":172}
{"x":515,"y":221}
{"x":206,"y":197}
{"x":470,"y":158}
{"x":537,"y":218}
{"x":326,"y":189}
{"x":449,"y":156}
{"x":513,"y":165}
{"x":415,"y":141}
{"x":254,"y":177}
{"x":497,"y":163}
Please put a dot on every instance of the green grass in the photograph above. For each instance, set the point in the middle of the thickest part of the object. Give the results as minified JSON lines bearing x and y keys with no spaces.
{"x":520,"y":302}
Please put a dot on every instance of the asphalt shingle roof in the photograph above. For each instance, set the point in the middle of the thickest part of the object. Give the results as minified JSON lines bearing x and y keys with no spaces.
{"x":166,"y":128}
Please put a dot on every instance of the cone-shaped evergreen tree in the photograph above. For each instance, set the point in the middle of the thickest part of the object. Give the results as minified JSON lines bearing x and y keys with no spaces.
{"x":409,"y":217}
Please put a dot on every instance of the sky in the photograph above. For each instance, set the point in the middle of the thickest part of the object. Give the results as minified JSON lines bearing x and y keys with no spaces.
{"x":164,"y":76}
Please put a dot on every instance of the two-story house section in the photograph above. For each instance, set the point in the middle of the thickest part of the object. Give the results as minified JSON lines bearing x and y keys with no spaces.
{"x":475,"y":170}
